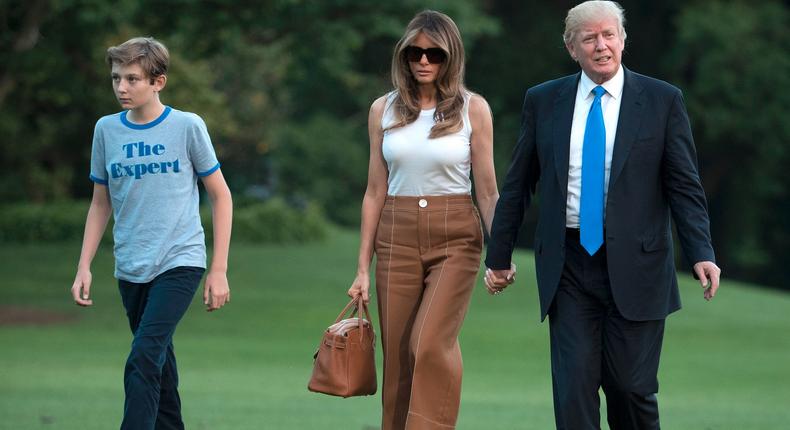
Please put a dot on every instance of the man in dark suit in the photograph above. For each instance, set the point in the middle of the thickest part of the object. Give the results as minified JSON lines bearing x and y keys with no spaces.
{"x":610,"y":154}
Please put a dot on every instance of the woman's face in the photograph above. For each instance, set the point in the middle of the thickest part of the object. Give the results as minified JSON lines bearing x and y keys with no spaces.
{"x":426,"y":69}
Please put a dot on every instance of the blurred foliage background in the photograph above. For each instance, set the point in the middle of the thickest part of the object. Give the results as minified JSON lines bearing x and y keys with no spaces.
{"x":285,"y":87}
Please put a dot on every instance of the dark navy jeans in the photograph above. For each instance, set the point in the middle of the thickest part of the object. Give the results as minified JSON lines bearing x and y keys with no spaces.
{"x":150,"y":378}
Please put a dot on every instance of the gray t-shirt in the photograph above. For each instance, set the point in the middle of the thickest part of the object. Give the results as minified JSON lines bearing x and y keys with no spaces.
{"x":151,"y":171}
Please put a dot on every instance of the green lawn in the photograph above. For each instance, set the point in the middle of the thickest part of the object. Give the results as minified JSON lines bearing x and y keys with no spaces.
{"x":726,"y":364}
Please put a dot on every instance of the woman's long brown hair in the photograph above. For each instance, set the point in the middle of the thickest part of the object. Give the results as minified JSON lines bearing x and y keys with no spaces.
{"x":449,"y":81}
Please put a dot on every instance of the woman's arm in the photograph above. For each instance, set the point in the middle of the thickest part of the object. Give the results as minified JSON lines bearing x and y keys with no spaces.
{"x":486,"y":193}
{"x":373,"y":201}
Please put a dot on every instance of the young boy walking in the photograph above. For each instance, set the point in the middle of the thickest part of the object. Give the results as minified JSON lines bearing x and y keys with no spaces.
{"x":144,"y":164}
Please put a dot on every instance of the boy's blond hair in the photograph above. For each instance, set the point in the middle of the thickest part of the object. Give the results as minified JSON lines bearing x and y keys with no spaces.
{"x":148,"y":52}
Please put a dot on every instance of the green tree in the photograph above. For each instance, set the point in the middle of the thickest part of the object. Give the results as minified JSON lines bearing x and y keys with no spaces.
{"x":276,"y":81}
{"x":299,"y":77}
{"x":733,"y":61}
{"x":55,"y":84}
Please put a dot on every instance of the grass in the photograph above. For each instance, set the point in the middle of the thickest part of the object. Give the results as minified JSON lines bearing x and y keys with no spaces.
{"x":724,"y":363}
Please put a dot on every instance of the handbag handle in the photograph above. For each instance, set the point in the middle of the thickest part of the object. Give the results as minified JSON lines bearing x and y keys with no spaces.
{"x":355,"y":302}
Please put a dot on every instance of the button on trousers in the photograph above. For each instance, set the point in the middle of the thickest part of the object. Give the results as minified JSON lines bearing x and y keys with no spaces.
{"x":428,"y":256}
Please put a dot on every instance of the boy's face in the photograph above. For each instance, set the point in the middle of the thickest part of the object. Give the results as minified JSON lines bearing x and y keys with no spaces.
{"x":133,"y":88}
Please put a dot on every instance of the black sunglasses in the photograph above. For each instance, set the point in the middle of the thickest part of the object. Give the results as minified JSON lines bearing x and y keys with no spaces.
{"x":435,"y":55}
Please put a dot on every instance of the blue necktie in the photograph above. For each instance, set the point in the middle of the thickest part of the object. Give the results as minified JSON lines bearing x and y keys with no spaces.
{"x":593,"y":155}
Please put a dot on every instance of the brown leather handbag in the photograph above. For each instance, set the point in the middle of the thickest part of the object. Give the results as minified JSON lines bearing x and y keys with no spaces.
{"x":345,"y":362}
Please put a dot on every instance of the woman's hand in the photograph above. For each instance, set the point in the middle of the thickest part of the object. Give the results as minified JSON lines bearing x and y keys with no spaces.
{"x":497,"y":280}
{"x":360,"y":287}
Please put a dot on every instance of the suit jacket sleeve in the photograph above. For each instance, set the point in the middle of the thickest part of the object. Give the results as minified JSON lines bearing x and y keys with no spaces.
{"x":684,"y":189}
{"x":520,"y":182}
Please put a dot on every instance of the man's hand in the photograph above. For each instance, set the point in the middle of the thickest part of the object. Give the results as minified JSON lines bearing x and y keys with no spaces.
{"x":708,"y":273}
{"x":497,"y":280}
{"x":216,"y":292}
{"x":81,"y":289}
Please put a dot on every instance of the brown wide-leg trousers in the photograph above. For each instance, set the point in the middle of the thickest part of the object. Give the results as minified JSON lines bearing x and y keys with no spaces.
{"x":428,"y":256}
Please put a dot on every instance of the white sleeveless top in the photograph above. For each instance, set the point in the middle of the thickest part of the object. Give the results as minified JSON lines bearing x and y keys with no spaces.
{"x":419,"y":166}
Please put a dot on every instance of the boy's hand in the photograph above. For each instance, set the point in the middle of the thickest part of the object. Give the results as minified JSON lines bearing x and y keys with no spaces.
{"x":216,"y":291}
{"x":81,"y":289}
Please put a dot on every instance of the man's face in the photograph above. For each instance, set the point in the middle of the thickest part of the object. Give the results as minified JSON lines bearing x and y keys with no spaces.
{"x":132,"y":87}
{"x":598,"y":47}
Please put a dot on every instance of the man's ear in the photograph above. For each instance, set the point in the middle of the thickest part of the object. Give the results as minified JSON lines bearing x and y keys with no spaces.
{"x":571,"y":51}
{"x":159,"y":82}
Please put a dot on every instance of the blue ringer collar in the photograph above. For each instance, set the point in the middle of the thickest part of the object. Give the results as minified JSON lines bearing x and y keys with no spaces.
{"x":148,"y":125}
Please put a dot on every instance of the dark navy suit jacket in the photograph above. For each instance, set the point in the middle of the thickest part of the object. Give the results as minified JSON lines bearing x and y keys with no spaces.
{"x":653,"y":179}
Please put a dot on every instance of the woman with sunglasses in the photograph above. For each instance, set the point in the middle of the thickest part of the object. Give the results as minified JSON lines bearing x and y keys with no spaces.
{"x":426,"y":136}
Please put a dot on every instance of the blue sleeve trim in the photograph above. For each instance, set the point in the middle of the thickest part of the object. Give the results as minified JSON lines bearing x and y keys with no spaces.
{"x":209,"y":171}
{"x":98,"y":180}
{"x":153,"y":123}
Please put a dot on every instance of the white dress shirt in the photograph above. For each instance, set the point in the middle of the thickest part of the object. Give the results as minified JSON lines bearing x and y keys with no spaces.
{"x":610,"y":104}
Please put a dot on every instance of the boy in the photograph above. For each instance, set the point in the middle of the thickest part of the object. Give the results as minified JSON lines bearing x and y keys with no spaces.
{"x":144,"y":164}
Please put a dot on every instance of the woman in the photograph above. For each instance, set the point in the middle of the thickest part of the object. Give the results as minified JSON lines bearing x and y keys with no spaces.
{"x":418,"y":215}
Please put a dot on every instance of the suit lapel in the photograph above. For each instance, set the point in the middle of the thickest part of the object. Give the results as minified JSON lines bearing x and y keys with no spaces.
{"x":562,"y":121}
{"x":627,"y":124}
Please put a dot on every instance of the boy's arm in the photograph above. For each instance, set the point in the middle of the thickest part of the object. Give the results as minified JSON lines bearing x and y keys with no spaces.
{"x":216,"y":291}
{"x":96,"y":222}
